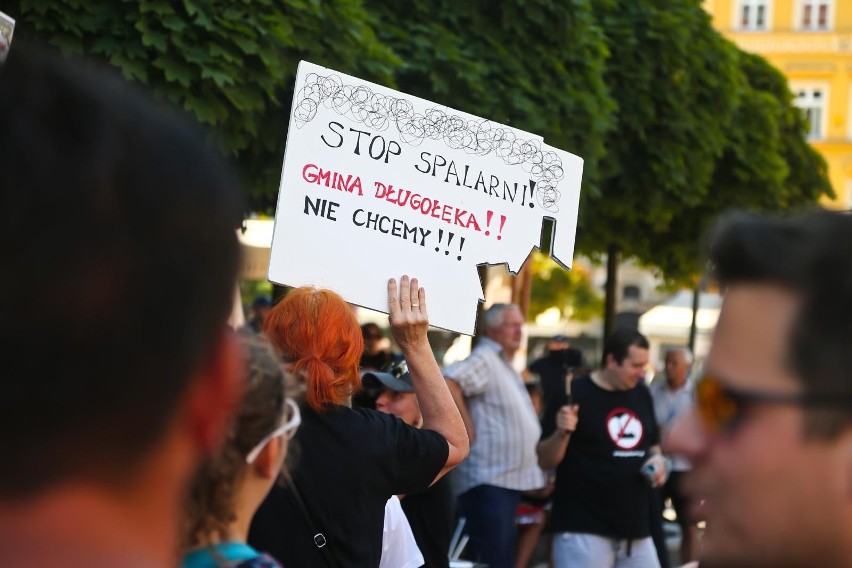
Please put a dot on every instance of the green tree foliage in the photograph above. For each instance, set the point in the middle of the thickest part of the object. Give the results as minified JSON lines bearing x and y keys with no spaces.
{"x":571,"y":291}
{"x":536,"y":65}
{"x":675,"y":123}
{"x":701,"y":126}
{"x":231,"y":63}
{"x":766,"y":165}
{"x":677,"y":87}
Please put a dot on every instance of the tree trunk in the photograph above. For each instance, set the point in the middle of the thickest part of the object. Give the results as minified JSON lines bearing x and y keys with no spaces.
{"x":613,"y":258}
{"x":522,"y":288}
{"x":693,"y":327}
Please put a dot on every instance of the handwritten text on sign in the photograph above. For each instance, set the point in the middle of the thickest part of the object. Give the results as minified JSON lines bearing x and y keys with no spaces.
{"x":377,"y":184}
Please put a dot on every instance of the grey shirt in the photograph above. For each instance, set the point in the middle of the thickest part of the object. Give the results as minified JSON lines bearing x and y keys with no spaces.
{"x":668,"y":406}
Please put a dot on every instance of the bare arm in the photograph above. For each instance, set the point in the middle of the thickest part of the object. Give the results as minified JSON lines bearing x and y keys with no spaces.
{"x":409,"y":323}
{"x":458,"y":397}
{"x":552,"y":449}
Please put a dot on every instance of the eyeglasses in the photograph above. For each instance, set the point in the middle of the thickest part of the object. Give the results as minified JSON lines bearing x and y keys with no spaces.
{"x":722,"y":408}
{"x":288,"y":428}
{"x":396,"y":368}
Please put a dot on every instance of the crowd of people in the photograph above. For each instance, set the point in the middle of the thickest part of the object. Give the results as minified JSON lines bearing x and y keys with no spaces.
{"x":141,"y":431}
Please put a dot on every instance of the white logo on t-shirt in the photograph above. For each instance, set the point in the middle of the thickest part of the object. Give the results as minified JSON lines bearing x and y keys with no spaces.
{"x":624,"y":428}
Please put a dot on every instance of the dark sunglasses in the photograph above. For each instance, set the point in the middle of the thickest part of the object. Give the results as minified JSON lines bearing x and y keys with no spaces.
{"x":396,"y":368}
{"x":722,"y":408}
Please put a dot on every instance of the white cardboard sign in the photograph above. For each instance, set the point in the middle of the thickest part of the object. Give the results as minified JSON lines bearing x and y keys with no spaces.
{"x":377,"y":184}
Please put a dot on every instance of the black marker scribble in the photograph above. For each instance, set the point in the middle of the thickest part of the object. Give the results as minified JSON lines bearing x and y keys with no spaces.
{"x":377,"y":111}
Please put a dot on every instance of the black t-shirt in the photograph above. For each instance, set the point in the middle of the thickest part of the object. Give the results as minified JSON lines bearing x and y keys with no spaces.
{"x":599,"y":488}
{"x":430,"y":514}
{"x":349,"y":463}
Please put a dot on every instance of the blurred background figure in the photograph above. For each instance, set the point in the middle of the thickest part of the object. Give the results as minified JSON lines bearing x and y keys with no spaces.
{"x":232,"y":483}
{"x":260,"y":306}
{"x":673,"y":396}
{"x":377,"y":348}
{"x":559,"y":360}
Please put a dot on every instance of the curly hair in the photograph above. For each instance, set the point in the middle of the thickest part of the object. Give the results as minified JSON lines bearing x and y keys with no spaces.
{"x":317,"y":332}
{"x":211,"y":503}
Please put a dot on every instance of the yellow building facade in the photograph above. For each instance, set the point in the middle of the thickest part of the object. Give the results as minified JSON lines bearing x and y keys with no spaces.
{"x":810,"y":41}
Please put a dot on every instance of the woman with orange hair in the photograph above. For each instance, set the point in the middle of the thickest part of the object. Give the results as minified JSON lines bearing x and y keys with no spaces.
{"x":352,"y":460}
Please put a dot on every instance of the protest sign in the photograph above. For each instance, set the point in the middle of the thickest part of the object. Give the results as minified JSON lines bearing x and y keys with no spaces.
{"x":377,"y":184}
{"x":7,"y":28}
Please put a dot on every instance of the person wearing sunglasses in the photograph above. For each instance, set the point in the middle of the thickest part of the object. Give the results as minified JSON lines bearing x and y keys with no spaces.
{"x":231,"y":484}
{"x":352,"y":460}
{"x":600,"y":442}
{"x":770,"y":439}
{"x":429,"y":512}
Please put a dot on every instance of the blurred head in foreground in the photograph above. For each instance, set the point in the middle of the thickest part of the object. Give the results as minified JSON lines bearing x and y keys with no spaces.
{"x":233,"y":482}
{"x":771,"y":437}
{"x":120,"y":260}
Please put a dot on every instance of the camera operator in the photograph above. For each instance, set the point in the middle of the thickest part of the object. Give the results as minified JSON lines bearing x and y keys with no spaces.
{"x":554,"y":366}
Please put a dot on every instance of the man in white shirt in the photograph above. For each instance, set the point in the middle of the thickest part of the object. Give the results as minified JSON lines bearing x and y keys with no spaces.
{"x":504,"y":430}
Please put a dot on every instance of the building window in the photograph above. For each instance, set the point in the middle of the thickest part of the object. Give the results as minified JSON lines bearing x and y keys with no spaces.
{"x":631,"y":293}
{"x":815,"y":14}
{"x":753,"y":14}
{"x":812,"y":102}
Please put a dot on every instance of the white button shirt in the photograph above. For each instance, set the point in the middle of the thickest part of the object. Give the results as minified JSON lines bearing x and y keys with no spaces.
{"x":506,"y":425}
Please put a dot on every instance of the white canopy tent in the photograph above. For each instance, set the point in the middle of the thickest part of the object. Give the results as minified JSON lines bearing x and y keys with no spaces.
{"x":255,"y":241}
{"x":668,"y":324}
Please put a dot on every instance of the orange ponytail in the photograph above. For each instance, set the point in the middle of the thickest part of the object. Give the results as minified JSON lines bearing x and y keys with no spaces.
{"x":316,"y":331}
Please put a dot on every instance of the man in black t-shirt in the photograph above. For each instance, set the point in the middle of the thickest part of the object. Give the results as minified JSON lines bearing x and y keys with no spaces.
{"x":600,"y":441}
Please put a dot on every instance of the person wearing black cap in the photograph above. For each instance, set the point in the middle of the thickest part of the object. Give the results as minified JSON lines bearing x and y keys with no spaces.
{"x":430,"y":512}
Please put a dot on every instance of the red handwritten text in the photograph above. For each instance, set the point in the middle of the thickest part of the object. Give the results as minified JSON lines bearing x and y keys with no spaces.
{"x":427,"y":206}
{"x":349,"y":183}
